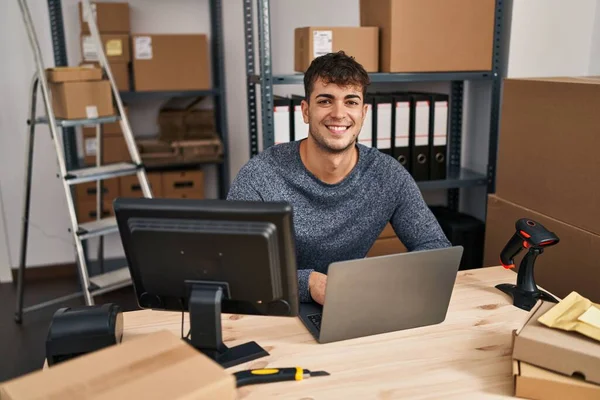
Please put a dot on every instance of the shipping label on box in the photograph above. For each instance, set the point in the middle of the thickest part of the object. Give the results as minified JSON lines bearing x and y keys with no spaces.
{"x":322,"y":43}
{"x":143,"y":48}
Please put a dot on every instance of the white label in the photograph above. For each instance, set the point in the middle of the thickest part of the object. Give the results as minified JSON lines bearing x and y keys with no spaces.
{"x":281,"y":121}
{"x":384,"y":126}
{"x":322,"y":43}
{"x":143,"y":48}
{"x":422,"y":124}
{"x":90,"y":146}
{"x":85,"y":15}
{"x":90,"y":52}
{"x":440,"y":126}
{"x":366,"y":133}
{"x":300,"y":128}
{"x":402,"y":123}
{"x":91,"y":112}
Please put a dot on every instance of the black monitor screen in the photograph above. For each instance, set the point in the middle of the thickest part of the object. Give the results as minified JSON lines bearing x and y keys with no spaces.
{"x":248,"y":247}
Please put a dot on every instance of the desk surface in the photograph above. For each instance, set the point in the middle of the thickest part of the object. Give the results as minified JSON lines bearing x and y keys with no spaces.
{"x":465,"y":357}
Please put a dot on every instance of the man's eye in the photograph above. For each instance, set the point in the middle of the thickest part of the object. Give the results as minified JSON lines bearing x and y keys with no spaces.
{"x":324,"y":101}
{"x":353,"y":103}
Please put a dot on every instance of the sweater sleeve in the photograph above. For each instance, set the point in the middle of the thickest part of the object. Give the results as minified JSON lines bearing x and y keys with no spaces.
{"x":414,"y":223}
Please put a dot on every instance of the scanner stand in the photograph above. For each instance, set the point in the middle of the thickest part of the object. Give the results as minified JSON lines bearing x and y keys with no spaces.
{"x":204,"y":306}
{"x":526,"y":293}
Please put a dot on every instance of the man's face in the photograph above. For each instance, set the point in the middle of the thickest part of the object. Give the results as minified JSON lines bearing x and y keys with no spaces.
{"x":334,"y":115}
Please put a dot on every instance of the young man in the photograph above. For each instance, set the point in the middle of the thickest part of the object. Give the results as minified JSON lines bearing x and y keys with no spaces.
{"x":342,"y":193}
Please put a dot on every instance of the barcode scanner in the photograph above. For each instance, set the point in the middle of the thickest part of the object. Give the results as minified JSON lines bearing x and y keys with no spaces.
{"x":534,"y":237}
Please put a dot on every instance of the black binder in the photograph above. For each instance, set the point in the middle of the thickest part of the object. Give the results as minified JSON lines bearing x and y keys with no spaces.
{"x":282,"y":119}
{"x":438,"y":136}
{"x":382,"y":123}
{"x":299,"y":128}
{"x":419,"y":136}
{"x":401,"y":127}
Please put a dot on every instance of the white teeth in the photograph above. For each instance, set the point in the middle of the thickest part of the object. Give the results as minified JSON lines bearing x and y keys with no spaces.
{"x":338,"y":128}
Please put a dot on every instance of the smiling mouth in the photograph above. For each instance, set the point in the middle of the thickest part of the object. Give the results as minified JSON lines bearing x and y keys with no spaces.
{"x":338,"y":128}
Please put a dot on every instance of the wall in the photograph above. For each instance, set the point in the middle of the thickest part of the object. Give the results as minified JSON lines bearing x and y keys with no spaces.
{"x":552,"y":37}
{"x":5,"y":275}
{"x":549,"y":37}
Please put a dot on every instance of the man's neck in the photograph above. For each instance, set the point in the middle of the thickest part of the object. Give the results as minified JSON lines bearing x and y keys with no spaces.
{"x":328,"y":167}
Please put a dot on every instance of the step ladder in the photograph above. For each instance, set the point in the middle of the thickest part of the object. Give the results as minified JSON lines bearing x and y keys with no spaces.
{"x":106,"y":282}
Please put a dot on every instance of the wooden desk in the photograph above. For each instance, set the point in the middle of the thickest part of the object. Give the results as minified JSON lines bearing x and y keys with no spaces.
{"x":468,"y":356}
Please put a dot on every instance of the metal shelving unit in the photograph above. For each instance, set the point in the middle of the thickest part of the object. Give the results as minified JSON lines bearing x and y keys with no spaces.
{"x":260,"y":81}
{"x":57,"y":31}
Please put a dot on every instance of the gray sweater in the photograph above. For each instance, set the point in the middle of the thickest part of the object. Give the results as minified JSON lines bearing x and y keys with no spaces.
{"x":341,"y":221}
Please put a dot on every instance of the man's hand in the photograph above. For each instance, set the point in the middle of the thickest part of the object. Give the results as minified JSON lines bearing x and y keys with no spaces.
{"x":316,"y":286}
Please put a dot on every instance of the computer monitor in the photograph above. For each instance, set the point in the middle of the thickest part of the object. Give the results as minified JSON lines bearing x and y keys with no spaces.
{"x":208,"y":257}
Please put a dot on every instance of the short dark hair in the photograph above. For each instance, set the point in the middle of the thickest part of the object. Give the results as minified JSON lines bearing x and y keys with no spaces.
{"x":337,"y":68}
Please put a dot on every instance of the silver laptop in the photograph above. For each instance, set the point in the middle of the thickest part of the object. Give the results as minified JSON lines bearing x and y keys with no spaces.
{"x":383,"y":294}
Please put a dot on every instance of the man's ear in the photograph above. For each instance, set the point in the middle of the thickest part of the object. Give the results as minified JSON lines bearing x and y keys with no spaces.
{"x":304,"y":105}
{"x":364,"y":110}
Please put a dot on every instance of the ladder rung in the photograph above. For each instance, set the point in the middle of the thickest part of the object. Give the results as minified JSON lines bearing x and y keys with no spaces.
{"x":117,"y":278}
{"x":98,"y":173}
{"x":96,"y":228}
{"x":67,"y":123}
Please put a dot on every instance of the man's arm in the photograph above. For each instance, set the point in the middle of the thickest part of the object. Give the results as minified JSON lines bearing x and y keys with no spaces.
{"x":243,"y":188}
{"x":414,"y":223}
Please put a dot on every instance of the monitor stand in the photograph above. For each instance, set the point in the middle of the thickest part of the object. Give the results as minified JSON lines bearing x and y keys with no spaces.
{"x":204,"y":306}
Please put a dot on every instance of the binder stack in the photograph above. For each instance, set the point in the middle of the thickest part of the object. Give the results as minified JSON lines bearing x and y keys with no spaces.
{"x":299,"y":128}
{"x":382,"y":123}
{"x":282,"y":121}
{"x":402,"y":129}
{"x":412,"y":127}
{"x":365,"y":136}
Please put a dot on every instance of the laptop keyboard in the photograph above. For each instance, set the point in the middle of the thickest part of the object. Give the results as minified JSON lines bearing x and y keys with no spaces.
{"x":315,"y":319}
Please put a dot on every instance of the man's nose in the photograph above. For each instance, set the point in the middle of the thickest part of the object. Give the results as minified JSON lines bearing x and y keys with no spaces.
{"x":338,"y":110}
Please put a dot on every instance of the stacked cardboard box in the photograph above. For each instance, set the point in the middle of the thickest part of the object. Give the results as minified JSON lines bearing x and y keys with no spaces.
{"x":79,"y":93}
{"x":362,"y":43}
{"x":114,"y":27}
{"x":170,"y":62}
{"x":547,"y":166}
{"x":553,"y":364}
{"x":432,"y":35}
{"x":114,"y":148}
{"x":86,"y":199}
{"x":386,"y":243}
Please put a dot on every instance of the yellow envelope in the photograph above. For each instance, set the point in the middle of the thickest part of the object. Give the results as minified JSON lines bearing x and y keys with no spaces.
{"x":574,"y":313}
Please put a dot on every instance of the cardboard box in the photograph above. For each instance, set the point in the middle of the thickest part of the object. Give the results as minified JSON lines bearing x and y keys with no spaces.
{"x":130,"y":186}
{"x":153,"y":366}
{"x":114,"y":149}
{"x":86,"y":192}
{"x":536,"y":383}
{"x":548,"y":148}
{"x":73,"y":74}
{"x":386,"y":246}
{"x":110,"y":17}
{"x":181,"y":119}
{"x":362,"y":43}
{"x":120,"y":73}
{"x":198,"y":150}
{"x":432,"y":35}
{"x":110,"y":129}
{"x":570,"y":265}
{"x":116,"y":48}
{"x":171,"y":62}
{"x":80,"y":100}
{"x":183,"y":184}
{"x":568,"y":353}
{"x":86,"y":210}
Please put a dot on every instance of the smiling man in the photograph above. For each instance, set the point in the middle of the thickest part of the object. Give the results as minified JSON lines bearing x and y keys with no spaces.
{"x":342,"y":193}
